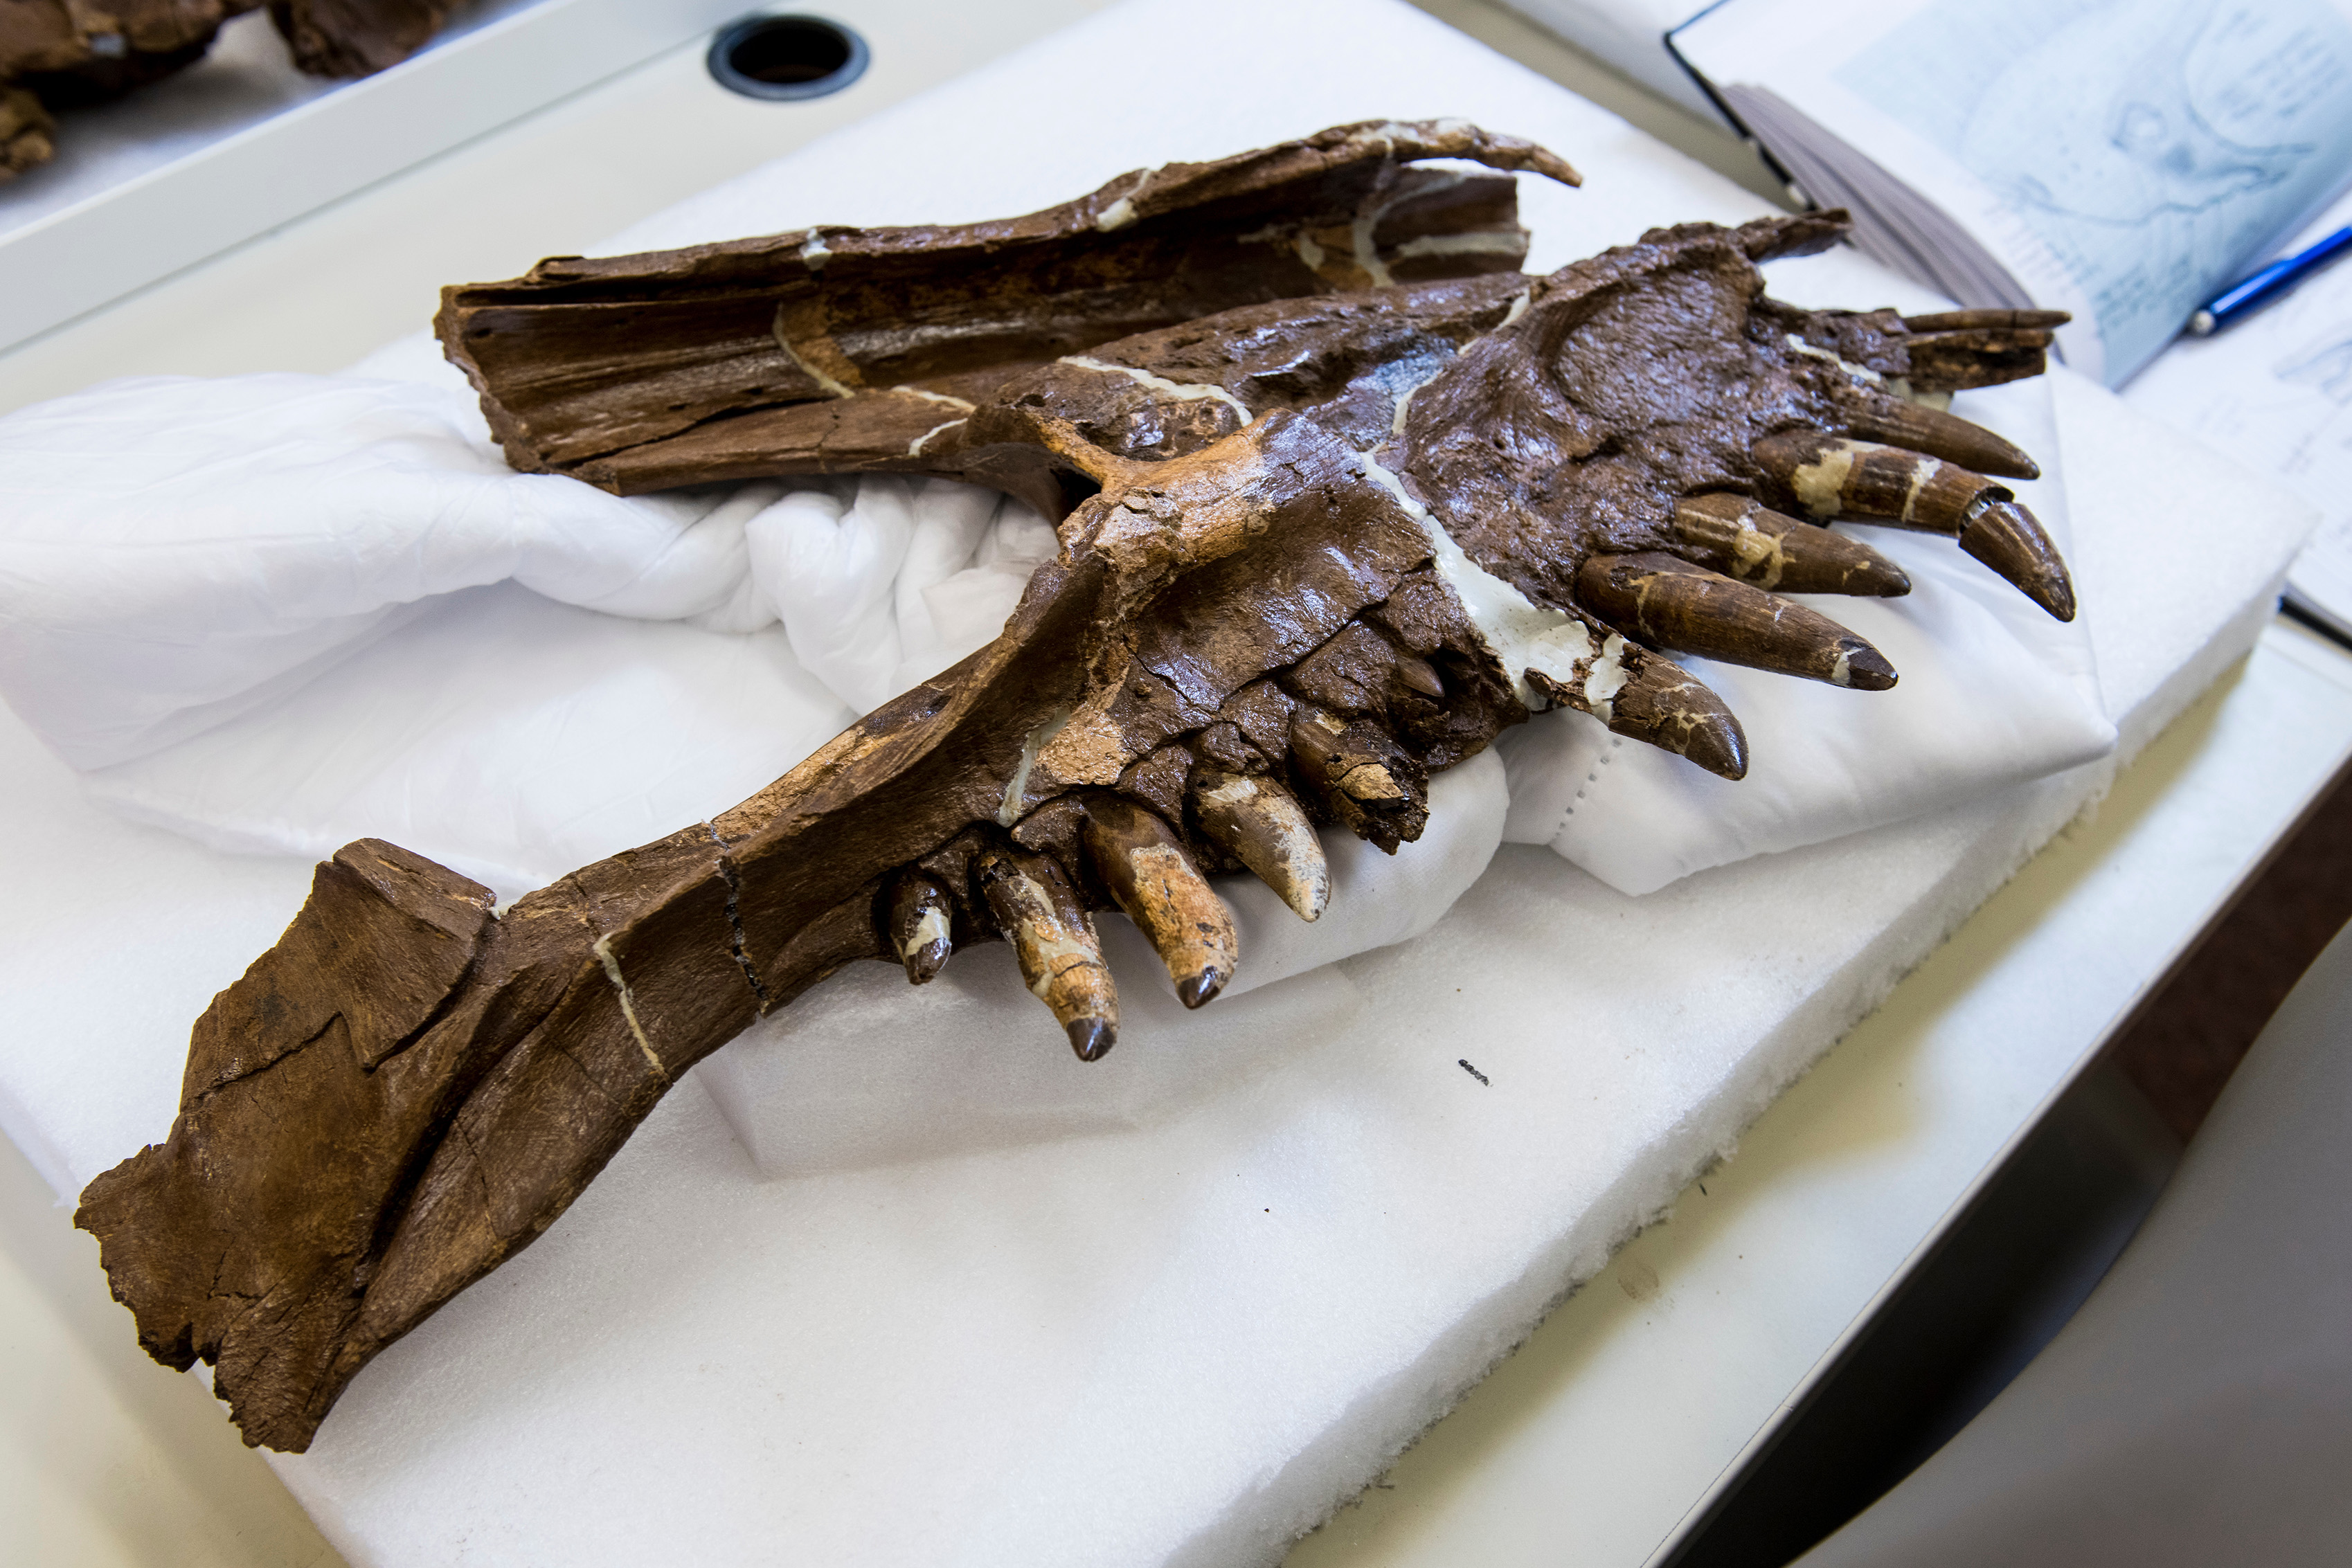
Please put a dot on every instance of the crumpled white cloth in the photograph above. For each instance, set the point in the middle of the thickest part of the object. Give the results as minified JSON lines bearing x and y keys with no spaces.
{"x":279,"y":612}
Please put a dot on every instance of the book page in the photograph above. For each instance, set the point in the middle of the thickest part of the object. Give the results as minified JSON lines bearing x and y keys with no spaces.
{"x":2275,"y":392}
{"x":2154,"y":146}
{"x":2124,"y":159}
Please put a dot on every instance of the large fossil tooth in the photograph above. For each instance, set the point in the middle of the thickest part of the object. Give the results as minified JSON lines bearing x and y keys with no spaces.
{"x":1369,"y":782}
{"x":1832,"y":476}
{"x":2010,"y":539}
{"x":1665,"y":705}
{"x":1220,"y":596}
{"x":1259,"y":823}
{"x":1055,"y":942}
{"x":1987,"y":320}
{"x":1150,"y":876}
{"x":922,"y":920}
{"x":1670,"y":603}
{"x":1902,"y":422}
{"x":1746,"y":540}
{"x":1419,"y":675}
{"x":1964,"y":348}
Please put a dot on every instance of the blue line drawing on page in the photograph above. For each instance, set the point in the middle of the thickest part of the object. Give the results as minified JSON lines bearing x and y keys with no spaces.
{"x":2328,"y":367}
{"x":2153,"y":145}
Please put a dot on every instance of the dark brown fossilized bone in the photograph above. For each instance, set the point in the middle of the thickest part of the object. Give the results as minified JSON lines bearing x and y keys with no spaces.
{"x":357,"y":37}
{"x":66,"y":52}
{"x":27,"y":133}
{"x":59,"y":54}
{"x":836,"y":349}
{"x":1313,"y":551}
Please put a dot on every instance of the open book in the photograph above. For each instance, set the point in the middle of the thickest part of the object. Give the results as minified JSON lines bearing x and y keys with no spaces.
{"x":2277,"y":392}
{"x":2122,"y":160}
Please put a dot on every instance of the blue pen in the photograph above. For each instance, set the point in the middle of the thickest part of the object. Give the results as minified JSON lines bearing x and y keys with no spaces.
{"x":2229,"y":308}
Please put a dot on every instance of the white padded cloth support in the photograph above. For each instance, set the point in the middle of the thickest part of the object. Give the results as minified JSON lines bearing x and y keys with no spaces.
{"x":253,"y":610}
{"x":1157,"y":1332}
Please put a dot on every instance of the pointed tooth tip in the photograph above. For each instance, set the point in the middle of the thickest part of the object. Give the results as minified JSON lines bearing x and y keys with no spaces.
{"x":2010,"y":539}
{"x":1198,"y":990}
{"x":924,"y":963}
{"x":1422,"y":678}
{"x":1091,"y":1038}
{"x":2054,"y":592}
{"x":1720,"y":749}
{"x":1866,"y":669}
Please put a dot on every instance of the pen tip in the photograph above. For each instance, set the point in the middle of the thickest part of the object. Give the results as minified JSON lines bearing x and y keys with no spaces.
{"x":2200,"y":323}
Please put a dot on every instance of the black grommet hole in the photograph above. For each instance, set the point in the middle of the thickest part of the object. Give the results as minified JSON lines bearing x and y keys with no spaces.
{"x":786,"y":56}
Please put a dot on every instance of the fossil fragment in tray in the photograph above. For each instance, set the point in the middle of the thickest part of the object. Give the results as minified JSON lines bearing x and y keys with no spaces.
{"x":61,"y":54}
{"x":1340,"y":496}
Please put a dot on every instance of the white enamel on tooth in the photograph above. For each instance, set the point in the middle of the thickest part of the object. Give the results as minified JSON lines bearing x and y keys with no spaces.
{"x":932,"y":926}
{"x":814,"y":253}
{"x":1762,"y":556}
{"x":1188,"y":392}
{"x":1519,"y":305}
{"x":1820,"y":483}
{"x":1016,"y":787}
{"x":1862,"y":373}
{"x":1840,"y":670}
{"x":1309,"y":252}
{"x":1922,"y":470}
{"x":603,"y":948}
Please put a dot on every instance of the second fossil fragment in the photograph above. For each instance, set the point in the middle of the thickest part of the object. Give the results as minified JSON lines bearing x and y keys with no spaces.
{"x":1340,"y":495}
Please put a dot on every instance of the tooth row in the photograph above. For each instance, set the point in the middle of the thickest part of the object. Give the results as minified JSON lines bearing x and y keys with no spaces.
{"x":1830,"y":476}
{"x":1142,"y":863}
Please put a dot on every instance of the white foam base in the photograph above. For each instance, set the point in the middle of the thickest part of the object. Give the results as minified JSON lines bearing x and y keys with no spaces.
{"x":1180,"y":1342}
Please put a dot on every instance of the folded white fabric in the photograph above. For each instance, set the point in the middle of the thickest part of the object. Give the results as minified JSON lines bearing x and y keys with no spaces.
{"x":252,"y":609}
{"x":1993,"y":693}
{"x":244,"y":607}
{"x":1176,"y":1344}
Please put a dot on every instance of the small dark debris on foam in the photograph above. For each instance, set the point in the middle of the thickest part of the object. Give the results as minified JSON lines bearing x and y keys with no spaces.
{"x":1464,"y":1065}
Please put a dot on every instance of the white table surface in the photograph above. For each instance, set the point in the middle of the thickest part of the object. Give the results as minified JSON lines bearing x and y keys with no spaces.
{"x":1602,"y":1437}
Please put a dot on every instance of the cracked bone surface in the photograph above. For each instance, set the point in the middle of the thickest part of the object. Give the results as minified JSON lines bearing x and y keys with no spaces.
{"x":1321,"y":539}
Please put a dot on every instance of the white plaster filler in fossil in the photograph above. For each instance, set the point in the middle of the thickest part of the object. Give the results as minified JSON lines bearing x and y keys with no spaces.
{"x":1172,"y":1343}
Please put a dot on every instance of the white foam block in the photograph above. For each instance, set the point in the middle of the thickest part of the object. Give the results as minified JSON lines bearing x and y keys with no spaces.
{"x":1176,"y":1343}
